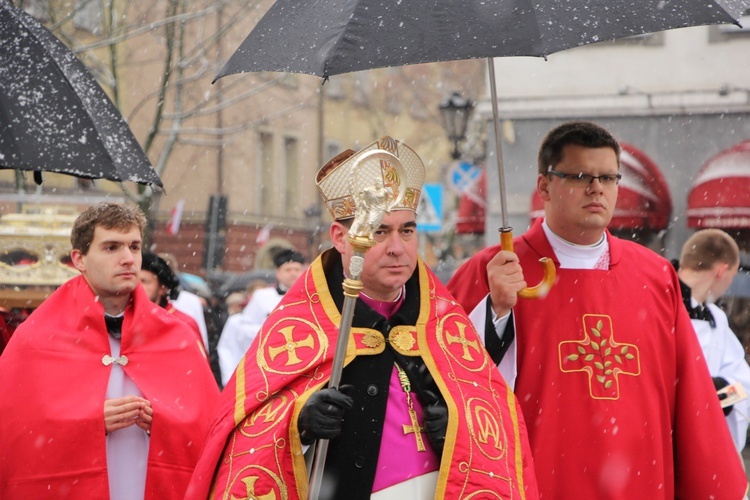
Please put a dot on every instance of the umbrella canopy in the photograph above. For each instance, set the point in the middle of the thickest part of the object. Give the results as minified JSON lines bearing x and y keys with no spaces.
{"x":330,"y":37}
{"x":54,"y":116}
{"x":720,"y":195}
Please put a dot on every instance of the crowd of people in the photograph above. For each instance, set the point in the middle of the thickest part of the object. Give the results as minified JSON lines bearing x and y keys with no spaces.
{"x":622,"y":380}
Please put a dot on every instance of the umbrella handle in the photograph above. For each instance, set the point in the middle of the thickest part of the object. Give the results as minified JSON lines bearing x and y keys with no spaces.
{"x":544,"y":286}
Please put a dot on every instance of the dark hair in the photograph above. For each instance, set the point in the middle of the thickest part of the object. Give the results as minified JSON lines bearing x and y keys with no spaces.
{"x":155,"y":264}
{"x":580,"y":133}
{"x":287,"y":255}
{"x":107,"y":215}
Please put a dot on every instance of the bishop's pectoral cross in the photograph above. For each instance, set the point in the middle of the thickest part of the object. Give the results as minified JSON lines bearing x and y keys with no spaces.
{"x":414,"y":427}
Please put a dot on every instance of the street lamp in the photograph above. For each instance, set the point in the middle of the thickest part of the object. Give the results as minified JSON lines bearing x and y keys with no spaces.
{"x":455,"y":112}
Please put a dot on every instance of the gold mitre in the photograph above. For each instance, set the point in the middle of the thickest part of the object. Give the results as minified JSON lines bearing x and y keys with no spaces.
{"x":334,"y":179}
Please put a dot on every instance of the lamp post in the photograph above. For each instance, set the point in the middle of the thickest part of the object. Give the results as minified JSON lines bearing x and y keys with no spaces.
{"x":455,"y":112}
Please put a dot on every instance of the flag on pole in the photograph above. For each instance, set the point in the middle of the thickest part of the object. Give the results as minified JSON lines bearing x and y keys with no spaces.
{"x":264,"y":235}
{"x":173,"y":227}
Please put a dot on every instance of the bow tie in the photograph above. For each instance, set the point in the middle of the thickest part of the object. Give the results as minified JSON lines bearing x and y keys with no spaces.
{"x":700,"y":311}
{"x":703,"y":313}
{"x":114,"y":325}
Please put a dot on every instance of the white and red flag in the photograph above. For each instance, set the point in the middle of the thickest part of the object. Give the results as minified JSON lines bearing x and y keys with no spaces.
{"x":264,"y":235}
{"x":173,"y":227}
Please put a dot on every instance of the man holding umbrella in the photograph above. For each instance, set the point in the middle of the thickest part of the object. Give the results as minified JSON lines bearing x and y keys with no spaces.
{"x":422,"y":411}
{"x":606,"y":366}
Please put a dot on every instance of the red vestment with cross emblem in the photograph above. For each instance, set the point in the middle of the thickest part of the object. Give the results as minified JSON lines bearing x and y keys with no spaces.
{"x":614,"y":389}
{"x":254,"y":450}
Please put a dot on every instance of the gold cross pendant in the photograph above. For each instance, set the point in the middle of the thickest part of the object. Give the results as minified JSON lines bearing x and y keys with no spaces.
{"x":416,"y":429}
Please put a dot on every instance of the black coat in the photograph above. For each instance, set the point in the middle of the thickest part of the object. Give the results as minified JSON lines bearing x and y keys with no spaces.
{"x":353,"y":456}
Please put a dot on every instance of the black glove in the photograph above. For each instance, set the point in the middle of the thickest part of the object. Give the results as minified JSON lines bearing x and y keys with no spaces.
{"x":720,"y":383}
{"x":323,"y":414}
{"x":435,"y":413}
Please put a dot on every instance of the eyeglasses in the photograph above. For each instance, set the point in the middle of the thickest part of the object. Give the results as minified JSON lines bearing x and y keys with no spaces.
{"x":587,"y":179}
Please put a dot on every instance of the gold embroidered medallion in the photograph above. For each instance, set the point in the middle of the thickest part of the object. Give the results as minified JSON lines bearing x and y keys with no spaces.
{"x":600,"y":356}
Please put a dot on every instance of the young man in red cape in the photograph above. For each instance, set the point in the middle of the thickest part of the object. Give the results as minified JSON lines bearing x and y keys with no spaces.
{"x":421,"y":412}
{"x":103,"y":393}
{"x":616,"y":393}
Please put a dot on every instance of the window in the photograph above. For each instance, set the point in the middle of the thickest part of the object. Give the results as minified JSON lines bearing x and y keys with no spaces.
{"x":36,"y":9}
{"x":264,"y":177}
{"x":362,"y":89}
{"x":88,"y":16}
{"x":332,"y":149}
{"x":291,"y":177}
{"x":393,"y":93}
{"x":334,"y":87}
{"x":418,"y":110}
{"x":290,"y":81}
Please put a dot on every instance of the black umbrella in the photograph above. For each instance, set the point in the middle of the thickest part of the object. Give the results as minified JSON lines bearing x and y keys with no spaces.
{"x":330,"y":37}
{"x":54,"y":116}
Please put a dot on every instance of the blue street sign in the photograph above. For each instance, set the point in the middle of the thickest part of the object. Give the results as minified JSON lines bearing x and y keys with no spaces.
{"x":430,"y":210}
{"x":462,"y":175}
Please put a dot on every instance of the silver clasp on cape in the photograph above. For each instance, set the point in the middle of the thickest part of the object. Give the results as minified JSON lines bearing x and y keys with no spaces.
{"x":108,"y":360}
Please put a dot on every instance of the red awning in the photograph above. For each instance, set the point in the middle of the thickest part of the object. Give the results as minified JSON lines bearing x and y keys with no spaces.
{"x":720,"y":196}
{"x":643,"y":199}
{"x":472,"y":208}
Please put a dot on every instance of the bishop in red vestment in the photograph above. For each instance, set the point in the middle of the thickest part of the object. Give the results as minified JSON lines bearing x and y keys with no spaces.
{"x":254,"y":448}
{"x":426,"y":410}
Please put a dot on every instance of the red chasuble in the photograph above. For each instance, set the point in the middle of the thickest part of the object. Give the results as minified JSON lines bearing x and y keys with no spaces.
{"x":52,"y":390}
{"x":254,"y":451}
{"x":614,"y":388}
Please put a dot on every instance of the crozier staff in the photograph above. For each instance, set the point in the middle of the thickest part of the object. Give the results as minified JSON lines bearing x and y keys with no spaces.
{"x":422,"y":412}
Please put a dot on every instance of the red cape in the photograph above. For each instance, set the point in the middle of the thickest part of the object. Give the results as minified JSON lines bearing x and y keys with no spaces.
{"x":254,"y":447}
{"x":189,"y":321}
{"x":619,"y":403}
{"x":53,"y":386}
